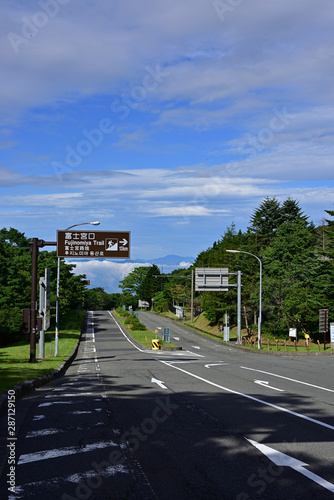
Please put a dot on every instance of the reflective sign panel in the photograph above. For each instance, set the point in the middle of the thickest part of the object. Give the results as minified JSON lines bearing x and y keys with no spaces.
{"x":93,"y":244}
{"x":211,"y":279}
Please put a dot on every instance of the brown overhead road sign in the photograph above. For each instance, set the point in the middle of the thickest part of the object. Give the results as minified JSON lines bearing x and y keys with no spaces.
{"x":93,"y":244}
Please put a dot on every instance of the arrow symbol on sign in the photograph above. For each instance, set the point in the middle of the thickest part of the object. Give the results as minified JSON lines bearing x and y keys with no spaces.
{"x":283,"y":460}
{"x":124,"y":242}
{"x":266,"y":384}
{"x":159,"y":382}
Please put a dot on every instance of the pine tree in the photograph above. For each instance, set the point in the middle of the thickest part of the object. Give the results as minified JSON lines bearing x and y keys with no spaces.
{"x":266,"y":219}
{"x":291,"y":211}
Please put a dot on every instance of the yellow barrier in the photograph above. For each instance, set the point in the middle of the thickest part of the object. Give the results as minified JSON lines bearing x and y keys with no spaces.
{"x":155,"y":345}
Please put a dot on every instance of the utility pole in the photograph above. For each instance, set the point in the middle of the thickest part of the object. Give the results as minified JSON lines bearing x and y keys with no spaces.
{"x":33,"y":303}
{"x":35,"y":244}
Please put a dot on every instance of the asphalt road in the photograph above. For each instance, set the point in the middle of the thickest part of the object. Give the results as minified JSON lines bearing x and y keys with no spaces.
{"x":207,"y":422}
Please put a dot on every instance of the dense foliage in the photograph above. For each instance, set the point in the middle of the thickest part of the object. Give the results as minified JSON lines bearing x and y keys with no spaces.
{"x":297,"y":278}
{"x":15,"y":284}
{"x":297,"y":273}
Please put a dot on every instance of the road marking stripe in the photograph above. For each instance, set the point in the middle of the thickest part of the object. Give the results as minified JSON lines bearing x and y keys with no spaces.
{"x":280,"y":408}
{"x":287,"y":378}
{"x":120,"y":329}
{"x":112,"y":470}
{"x":61,"y":452}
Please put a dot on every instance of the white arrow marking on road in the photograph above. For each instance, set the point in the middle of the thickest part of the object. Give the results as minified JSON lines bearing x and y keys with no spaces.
{"x":176,"y":338}
{"x":159,"y":382}
{"x":266,"y":384}
{"x":283,"y":460}
{"x":215,"y":364}
{"x":195,"y":346}
{"x":124,"y":242}
{"x":287,"y":378}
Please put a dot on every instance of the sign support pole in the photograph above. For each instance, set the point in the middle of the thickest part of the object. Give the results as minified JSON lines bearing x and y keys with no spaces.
{"x":239,"y":307}
{"x":41,"y":344}
{"x":35,"y":244}
{"x":33,"y":301}
{"x":57,"y":308}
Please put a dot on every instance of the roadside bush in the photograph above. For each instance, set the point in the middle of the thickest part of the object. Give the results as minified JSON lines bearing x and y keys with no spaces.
{"x":138,"y":326}
{"x":134,"y":323}
{"x":122,"y":312}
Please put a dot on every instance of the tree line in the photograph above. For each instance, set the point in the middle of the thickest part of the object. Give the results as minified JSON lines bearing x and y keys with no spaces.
{"x":297,"y":279}
{"x":15,"y":285}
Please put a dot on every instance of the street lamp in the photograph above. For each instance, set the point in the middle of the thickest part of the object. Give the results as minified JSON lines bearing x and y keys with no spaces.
{"x":95,"y":223}
{"x":260,"y":295}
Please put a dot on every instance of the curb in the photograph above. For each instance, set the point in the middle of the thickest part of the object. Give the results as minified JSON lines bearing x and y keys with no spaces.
{"x":29,"y":385}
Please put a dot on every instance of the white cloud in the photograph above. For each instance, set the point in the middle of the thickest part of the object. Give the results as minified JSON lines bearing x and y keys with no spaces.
{"x":194,"y":147}
{"x":104,"y":273}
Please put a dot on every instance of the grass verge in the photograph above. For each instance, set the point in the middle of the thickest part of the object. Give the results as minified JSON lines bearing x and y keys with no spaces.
{"x":201,"y":325}
{"x":144,"y":337}
{"x":14,"y":366}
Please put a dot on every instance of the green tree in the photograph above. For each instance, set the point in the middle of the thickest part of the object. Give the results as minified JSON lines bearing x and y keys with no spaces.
{"x":162,"y":301}
{"x":291,"y":211}
{"x":130,"y":284}
{"x":292,"y":284}
{"x":150,"y":284}
{"x":330,"y":234}
{"x":97,"y":299}
{"x":15,"y":282}
{"x":266,"y":219}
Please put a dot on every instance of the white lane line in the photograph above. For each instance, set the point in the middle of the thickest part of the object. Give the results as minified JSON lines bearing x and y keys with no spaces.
{"x":287,"y":378}
{"x":70,"y":395}
{"x":120,"y":329}
{"x":195,"y":354}
{"x":42,"y":432}
{"x":280,"y":408}
{"x":175,"y":353}
{"x":61,"y":452}
{"x":46,"y":432}
{"x":57,"y":403}
{"x":112,"y":470}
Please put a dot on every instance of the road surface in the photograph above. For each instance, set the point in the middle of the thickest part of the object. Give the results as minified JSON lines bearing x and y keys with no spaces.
{"x":207,"y":422}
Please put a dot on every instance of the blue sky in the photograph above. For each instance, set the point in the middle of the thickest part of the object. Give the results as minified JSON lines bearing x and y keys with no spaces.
{"x":167,"y":119}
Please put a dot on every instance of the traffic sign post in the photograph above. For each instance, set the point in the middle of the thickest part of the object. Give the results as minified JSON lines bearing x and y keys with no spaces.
{"x":332,"y":335}
{"x":323,"y":323}
{"x":93,"y":244}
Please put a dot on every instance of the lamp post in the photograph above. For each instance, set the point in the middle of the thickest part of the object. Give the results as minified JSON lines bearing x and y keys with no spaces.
{"x":95,"y":223}
{"x":260,"y":294}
